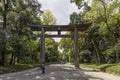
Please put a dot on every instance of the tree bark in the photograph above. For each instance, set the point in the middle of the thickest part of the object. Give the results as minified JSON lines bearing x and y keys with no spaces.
{"x":11,"y":60}
{"x":3,"y":54}
{"x":97,"y":51}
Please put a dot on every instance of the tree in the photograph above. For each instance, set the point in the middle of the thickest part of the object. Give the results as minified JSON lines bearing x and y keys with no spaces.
{"x":48,"y":18}
{"x":77,"y":18}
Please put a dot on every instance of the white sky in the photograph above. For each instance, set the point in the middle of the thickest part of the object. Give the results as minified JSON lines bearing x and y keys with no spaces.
{"x":61,"y":9}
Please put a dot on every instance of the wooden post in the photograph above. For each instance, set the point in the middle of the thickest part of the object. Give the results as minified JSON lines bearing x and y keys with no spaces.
{"x":76,"y":54}
{"x":42,"y":47}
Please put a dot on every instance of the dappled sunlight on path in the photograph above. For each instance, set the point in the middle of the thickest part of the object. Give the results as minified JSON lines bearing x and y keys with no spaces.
{"x":53,"y":72}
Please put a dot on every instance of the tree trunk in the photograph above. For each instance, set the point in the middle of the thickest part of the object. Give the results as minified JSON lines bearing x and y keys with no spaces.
{"x":117,"y":49}
{"x":97,"y":51}
{"x":14,"y":60}
{"x":18,"y":58}
{"x":11,"y":60}
{"x":3,"y":54}
{"x":117,"y":57}
{"x":115,"y":40}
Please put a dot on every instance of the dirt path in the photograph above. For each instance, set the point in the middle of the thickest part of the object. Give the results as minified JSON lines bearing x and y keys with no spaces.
{"x":59,"y":72}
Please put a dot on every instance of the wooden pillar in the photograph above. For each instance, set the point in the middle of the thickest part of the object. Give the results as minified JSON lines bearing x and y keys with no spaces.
{"x":76,"y":54}
{"x":42,"y":47}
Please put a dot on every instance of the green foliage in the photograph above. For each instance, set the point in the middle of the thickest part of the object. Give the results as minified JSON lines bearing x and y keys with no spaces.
{"x":77,"y":2}
{"x":103,"y":16}
{"x":16,"y":68}
{"x":102,"y":38}
{"x":2,"y":39}
{"x":48,"y":18}
{"x":16,"y":41}
{"x":117,"y":47}
{"x":85,"y":56}
{"x":51,"y":50}
{"x":80,"y":3}
{"x":110,"y":68}
{"x":114,"y":69}
{"x":76,"y":18}
{"x":67,"y":51}
{"x":110,"y":55}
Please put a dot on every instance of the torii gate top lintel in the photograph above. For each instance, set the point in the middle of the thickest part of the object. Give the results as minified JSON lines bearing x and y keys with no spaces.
{"x":80,"y":27}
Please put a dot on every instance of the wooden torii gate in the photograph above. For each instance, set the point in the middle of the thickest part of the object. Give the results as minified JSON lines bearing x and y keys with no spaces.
{"x":59,"y":28}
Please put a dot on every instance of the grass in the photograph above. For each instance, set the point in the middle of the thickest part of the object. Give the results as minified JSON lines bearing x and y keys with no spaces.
{"x":114,"y":69}
{"x":16,"y":68}
{"x":110,"y":68}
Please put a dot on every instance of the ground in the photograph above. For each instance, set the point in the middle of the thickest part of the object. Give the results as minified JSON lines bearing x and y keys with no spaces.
{"x":59,"y":72}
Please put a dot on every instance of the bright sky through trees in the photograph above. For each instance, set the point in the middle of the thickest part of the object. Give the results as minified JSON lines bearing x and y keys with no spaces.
{"x":61,"y":9}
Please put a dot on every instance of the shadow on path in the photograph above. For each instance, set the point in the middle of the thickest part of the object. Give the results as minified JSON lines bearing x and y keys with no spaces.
{"x":53,"y":72}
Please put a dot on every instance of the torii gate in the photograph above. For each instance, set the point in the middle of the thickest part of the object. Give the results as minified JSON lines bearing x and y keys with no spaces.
{"x":59,"y":28}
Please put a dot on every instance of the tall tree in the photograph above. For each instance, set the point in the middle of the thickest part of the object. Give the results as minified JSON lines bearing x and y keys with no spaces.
{"x":48,"y":18}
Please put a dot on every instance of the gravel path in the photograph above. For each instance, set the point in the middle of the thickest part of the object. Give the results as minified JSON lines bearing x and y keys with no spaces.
{"x":59,"y":72}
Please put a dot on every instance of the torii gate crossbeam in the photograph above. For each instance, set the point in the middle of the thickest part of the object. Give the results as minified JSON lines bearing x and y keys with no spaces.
{"x":73,"y":28}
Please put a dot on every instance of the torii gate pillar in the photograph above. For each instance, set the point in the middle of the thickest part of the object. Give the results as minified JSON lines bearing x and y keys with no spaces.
{"x":76,"y":52}
{"x":42,"y":47}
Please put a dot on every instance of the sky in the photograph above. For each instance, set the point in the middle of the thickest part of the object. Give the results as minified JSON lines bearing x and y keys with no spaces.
{"x":61,"y":9}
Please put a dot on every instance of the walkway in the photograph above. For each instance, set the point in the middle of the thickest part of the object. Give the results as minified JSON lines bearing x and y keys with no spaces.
{"x":59,"y":72}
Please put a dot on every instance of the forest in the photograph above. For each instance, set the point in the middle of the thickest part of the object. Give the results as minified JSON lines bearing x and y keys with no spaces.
{"x":100,"y":44}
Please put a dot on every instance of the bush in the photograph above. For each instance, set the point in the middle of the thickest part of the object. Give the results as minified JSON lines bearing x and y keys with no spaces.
{"x":23,"y":66}
{"x":110,"y":55}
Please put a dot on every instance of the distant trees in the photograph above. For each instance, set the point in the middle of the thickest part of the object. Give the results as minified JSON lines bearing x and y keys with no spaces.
{"x":65,"y":45}
{"x":51,"y":50}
